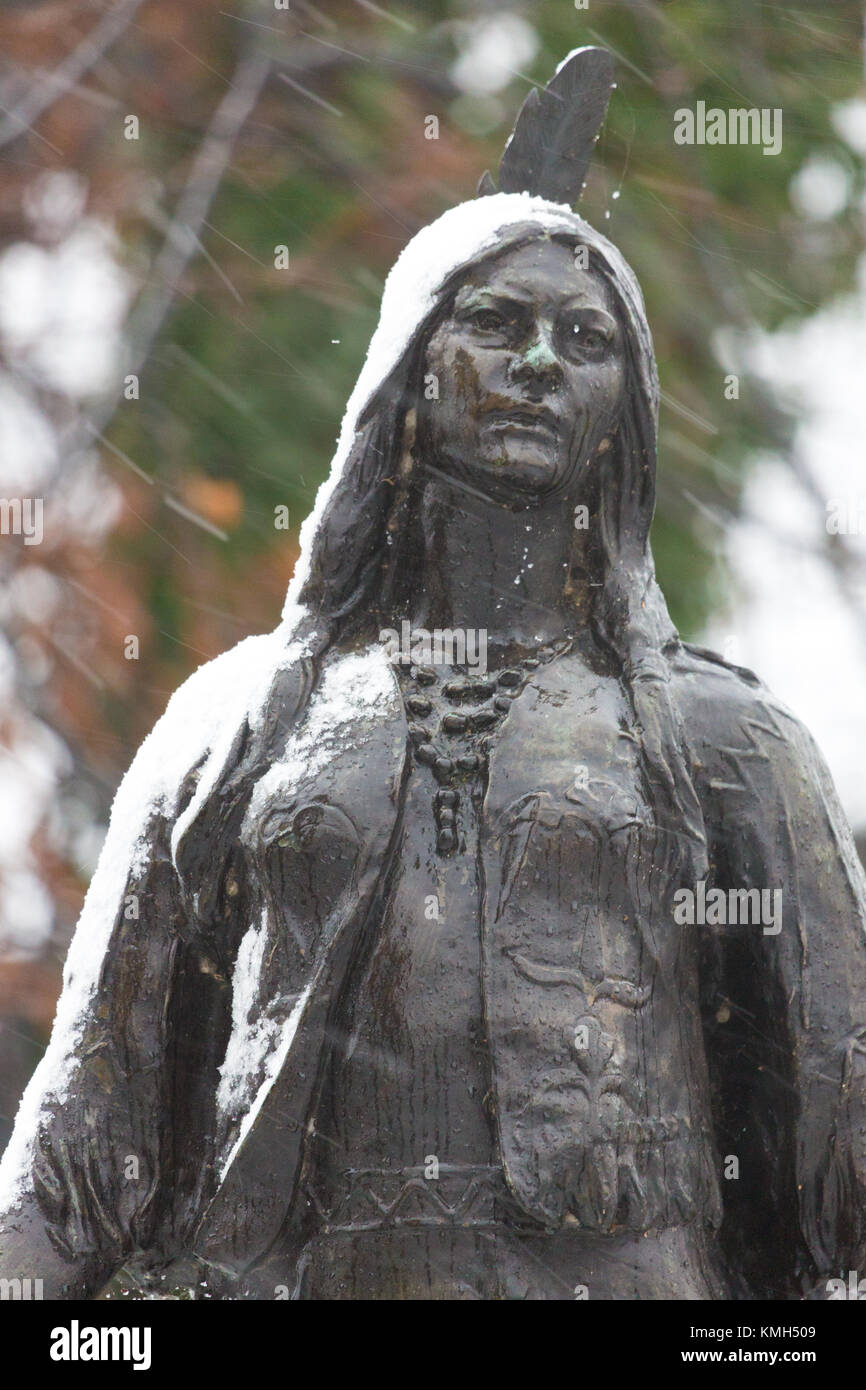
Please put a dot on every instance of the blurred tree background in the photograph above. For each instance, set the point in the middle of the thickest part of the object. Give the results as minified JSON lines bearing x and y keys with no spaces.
{"x":199,"y":203}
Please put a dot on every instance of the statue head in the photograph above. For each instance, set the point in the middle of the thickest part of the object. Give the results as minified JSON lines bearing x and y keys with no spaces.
{"x":527,"y":369}
{"x":478,"y":369}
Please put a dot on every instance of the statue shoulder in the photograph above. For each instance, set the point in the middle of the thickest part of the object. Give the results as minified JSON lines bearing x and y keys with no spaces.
{"x":200,"y":723}
{"x":728,"y":711}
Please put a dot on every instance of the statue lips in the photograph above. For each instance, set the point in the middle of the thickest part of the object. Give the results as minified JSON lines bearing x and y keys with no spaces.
{"x":526,"y":419}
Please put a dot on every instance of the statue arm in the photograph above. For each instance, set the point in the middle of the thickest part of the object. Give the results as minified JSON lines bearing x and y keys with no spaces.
{"x":83,"y":1178}
{"x":819,"y":961}
{"x":786,"y":999}
{"x":111,"y":1147}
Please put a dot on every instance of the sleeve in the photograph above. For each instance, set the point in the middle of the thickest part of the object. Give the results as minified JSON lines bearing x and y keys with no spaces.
{"x":785,"y":1002}
{"x":90,"y":1174}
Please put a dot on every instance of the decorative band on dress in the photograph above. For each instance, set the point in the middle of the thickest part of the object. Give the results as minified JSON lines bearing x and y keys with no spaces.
{"x":462,"y":1195}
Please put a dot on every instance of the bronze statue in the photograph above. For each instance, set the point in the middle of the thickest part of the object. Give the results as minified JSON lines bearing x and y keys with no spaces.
{"x":529,"y":967}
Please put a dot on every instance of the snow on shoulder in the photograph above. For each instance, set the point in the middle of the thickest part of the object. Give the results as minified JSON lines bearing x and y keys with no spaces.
{"x":201,"y":718}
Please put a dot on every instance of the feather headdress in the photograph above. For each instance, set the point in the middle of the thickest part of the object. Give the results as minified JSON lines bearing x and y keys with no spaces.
{"x":549,"y":151}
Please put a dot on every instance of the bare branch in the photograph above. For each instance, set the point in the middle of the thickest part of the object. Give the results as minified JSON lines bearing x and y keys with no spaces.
{"x":209,"y":166}
{"x":69,"y":72}
{"x":182,"y":237}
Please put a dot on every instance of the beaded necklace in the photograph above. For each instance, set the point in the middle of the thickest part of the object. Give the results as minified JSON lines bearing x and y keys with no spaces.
{"x":457,"y":753}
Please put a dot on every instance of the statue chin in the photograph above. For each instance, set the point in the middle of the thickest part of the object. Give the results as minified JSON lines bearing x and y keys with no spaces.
{"x":517,"y":471}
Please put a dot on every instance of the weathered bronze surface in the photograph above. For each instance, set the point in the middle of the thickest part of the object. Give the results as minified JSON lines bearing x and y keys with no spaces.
{"x":513,"y":1071}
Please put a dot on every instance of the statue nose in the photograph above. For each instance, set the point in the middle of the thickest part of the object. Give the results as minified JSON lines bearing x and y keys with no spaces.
{"x":538,"y":361}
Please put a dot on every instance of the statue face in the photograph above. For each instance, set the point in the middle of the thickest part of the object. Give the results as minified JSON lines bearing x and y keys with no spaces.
{"x":530,"y":366}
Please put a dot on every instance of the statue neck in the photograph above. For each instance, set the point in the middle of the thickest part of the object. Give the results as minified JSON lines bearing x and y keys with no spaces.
{"x":506,"y":572}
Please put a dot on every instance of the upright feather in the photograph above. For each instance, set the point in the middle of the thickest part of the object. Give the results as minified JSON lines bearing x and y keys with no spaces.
{"x":551,"y":145}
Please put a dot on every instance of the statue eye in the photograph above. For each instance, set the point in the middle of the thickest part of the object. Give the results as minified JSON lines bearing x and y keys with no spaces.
{"x":587,"y":338}
{"x":488,"y":320}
